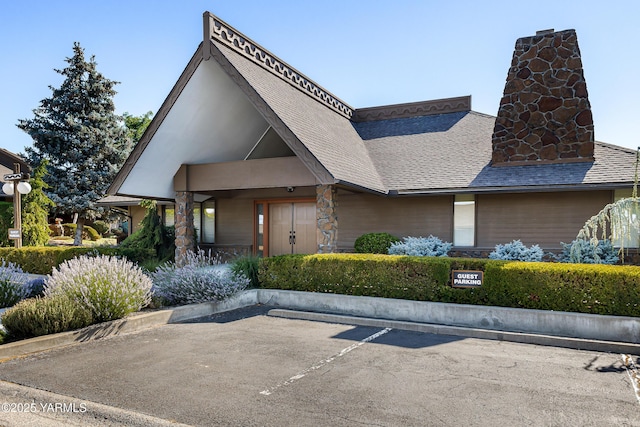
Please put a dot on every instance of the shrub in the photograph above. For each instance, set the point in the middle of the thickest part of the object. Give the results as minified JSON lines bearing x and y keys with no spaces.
{"x":41,"y":316}
{"x":152,"y":234}
{"x":419,"y":278}
{"x":247,"y":266}
{"x":587,"y":253}
{"x":517,"y":251}
{"x":88,"y":232}
{"x":36,"y":287}
{"x":582,"y":288}
{"x":421,"y":246}
{"x":203,"y":278}
{"x":13,"y":284}
{"x":374,"y":243}
{"x":101,"y":227}
{"x":42,"y":260}
{"x":6,"y":222}
{"x":110,"y":287}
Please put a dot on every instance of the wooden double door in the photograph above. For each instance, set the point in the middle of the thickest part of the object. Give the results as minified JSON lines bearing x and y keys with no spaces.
{"x":292,"y":228}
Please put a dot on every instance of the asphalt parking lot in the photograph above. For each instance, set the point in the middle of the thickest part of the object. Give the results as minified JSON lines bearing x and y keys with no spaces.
{"x":246,"y":368}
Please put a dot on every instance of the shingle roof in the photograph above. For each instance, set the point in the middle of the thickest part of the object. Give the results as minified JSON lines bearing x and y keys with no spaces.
{"x":328,"y":135}
{"x":452,"y":152}
{"x":425,"y":147}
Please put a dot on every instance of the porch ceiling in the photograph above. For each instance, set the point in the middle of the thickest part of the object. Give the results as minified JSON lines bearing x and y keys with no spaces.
{"x":211,"y":121}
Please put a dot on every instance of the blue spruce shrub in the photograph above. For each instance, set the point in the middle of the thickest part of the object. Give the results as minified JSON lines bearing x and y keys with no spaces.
{"x":420,"y":246}
{"x":517,"y":251}
{"x":587,"y":253}
{"x":14,"y":285}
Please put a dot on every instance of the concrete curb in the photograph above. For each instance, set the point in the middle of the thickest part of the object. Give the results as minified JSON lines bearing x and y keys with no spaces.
{"x":571,"y":330}
{"x":548,"y":340}
{"x":133,"y":323}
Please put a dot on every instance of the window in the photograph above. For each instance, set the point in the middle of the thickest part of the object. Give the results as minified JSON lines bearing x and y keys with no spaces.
{"x":169,"y":216}
{"x":208,"y":222}
{"x":259,"y":231}
{"x":628,"y":235}
{"x":204,"y":220}
{"x":464,"y":220}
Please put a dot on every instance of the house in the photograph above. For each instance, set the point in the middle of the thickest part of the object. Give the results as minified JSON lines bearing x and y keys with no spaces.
{"x":272,"y":163}
{"x":9,"y":163}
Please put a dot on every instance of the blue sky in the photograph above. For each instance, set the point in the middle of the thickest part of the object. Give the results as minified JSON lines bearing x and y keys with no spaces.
{"x":367,"y":53}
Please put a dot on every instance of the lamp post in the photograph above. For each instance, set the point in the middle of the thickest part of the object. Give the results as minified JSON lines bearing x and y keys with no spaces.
{"x":16,"y":186}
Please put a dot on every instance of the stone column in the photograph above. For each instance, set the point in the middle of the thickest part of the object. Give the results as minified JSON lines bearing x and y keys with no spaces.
{"x":327,"y":219}
{"x":185,"y":241}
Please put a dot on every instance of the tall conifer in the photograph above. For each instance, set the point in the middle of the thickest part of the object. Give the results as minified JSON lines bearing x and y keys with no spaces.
{"x":77,"y":131}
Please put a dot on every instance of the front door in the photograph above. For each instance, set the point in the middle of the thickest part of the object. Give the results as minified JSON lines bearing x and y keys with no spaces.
{"x":292,"y":228}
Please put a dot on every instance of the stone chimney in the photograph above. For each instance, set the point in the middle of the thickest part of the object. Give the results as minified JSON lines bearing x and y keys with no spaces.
{"x":544,"y":114}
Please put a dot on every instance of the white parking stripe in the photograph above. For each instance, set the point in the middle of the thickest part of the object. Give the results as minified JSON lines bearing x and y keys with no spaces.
{"x":633,"y":372}
{"x":320,"y":364}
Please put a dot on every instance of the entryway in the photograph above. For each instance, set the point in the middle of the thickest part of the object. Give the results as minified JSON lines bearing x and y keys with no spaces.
{"x":292,"y":228}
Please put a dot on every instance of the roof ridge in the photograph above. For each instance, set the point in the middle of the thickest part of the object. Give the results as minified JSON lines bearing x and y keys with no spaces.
{"x":218,"y":30}
{"x":413,"y":109}
{"x":616,"y":147}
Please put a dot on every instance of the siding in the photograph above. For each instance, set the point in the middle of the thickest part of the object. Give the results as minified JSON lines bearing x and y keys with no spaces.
{"x":412,"y":216}
{"x":545,"y":219}
{"x":234,"y":221}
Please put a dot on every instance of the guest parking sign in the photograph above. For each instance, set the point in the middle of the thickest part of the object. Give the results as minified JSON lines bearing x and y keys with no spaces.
{"x":466,"y":278}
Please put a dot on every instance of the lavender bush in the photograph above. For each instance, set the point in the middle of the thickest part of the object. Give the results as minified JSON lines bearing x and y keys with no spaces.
{"x":14,"y":285}
{"x":33,"y":317}
{"x":110,"y":287}
{"x":203,"y":278}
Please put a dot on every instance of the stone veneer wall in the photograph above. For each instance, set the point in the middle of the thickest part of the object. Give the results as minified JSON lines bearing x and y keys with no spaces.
{"x":327,"y":228}
{"x":184,"y":226}
{"x":544,"y":115}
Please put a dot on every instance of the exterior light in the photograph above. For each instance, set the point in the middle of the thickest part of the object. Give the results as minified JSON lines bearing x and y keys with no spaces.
{"x":15,"y":186}
{"x":8,"y":188}
{"x":23,"y":187}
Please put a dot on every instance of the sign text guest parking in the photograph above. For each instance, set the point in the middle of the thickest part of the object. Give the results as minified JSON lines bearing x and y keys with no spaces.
{"x":466,"y":278}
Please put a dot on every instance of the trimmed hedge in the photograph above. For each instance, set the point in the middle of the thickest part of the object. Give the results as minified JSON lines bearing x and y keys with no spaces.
{"x":597,"y":289}
{"x":43,"y":259}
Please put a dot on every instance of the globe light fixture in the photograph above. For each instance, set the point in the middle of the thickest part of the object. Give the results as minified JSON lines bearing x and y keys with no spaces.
{"x":8,"y":188}
{"x":15,"y":186}
{"x":23,"y":187}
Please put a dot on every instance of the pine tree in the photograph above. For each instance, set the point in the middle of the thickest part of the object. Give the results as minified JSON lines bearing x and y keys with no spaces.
{"x":35,"y":209}
{"x":77,"y":131}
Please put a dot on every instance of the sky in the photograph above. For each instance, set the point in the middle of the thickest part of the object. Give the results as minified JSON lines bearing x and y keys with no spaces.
{"x":366,"y":52}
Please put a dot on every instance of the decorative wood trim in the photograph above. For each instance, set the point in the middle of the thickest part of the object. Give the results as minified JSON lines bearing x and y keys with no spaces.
{"x":425,"y":108}
{"x":222,"y":32}
{"x":299,"y":149}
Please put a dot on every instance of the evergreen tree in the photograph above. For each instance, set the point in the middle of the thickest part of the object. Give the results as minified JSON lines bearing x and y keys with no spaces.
{"x":35,"y":209}
{"x":77,"y":131}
